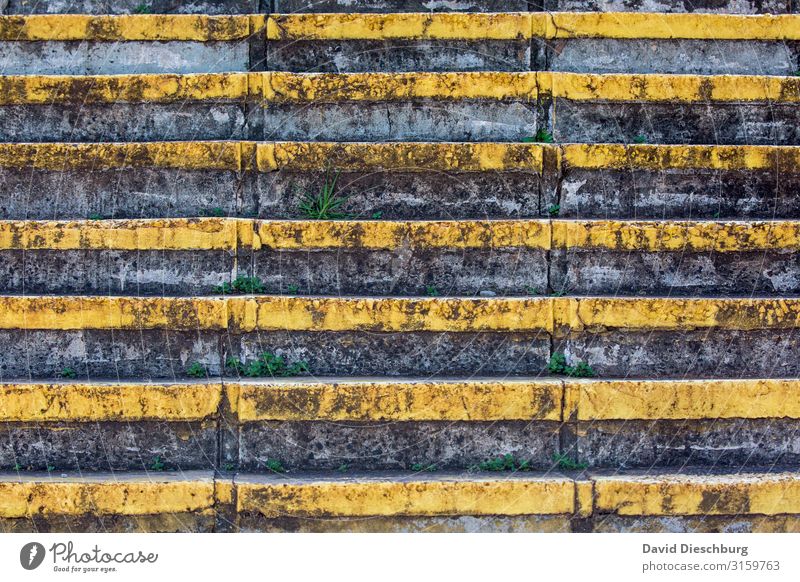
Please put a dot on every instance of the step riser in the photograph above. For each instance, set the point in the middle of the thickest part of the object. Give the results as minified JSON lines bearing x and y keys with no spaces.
{"x":129,"y":6}
{"x":117,"y":58}
{"x":288,"y":6}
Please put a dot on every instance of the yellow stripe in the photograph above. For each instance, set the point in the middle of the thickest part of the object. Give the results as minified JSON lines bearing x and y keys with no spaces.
{"x":397,"y":156}
{"x":765,"y":494}
{"x":672,"y":88}
{"x":685,"y":399}
{"x":499,"y":26}
{"x":632,"y":25}
{"x":143,"y":234}
{"x":688,"y":157}
{"x":157,"y":88}
{"x":690,"y":236}
{"x":128,"y":27}
{"x":119,"y":494}
{"x":332,"y":87}
{"x":75,"y":313}
{"x":106,"y":156}
{"x":399,"y":400}
{"x":108,"y":402}
{"x":348,"y":498}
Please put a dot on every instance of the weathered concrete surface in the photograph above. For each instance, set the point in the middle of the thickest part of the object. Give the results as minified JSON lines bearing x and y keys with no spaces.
{"x":106,"y":354}
{"x":398,"y":56}
{"x":114,"y":272}
{"x":600,"y":272}
{"x":734,"y":443}
{"x":677,"y":123}
{"x":705,"y":524}
{"x":394,"y":354}
{"x":249,"y":522}
{"x":107,"y":446}
{"x":401,"y":271}
{"x":699,"y":57}
{"x":286,"y":6}
{"x":120,"y":193}
{"x":709,"y":353}
{"x":392,"y":445}
{"x":701,"y":194}
{"x":130,"y":6}
{"x":400,"y":121}
{"x":122,"y":122}
{"x":712,"y":6}
{"x":402,"y":195}
{"x":162,"y":523}
{"x":115,"y":58}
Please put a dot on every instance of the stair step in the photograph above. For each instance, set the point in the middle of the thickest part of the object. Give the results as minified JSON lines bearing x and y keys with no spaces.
{"x":698,"y":501}
{"x":122,"y":337}
{"x":399,"y":180}
{"x":353,"y":423}
{"x":484,"y":106}
{"x":490,"y":257}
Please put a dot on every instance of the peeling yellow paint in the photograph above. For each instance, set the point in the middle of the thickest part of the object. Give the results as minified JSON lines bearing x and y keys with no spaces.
{"x":397,"y":156}
{"x":117,"y":495}
{"x":132,"y":234}
{"x":665,"y":157}
{"x":442,"y":26}
{"x":685,"y":399}
{"x":474,"y":400}
{"x":509,"y":496}
{"x":105,"y":156}
{"x":740,"y":494}
{"x":108,"y":402}
{"x":126,"y":27}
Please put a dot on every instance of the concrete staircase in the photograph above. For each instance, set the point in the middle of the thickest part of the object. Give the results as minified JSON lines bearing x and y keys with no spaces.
{"x":554,"y":285}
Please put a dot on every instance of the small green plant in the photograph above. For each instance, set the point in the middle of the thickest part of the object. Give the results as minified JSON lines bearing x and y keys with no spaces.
{"x":431,"y":291}
{"x":241,"y":285}
{"x":423,"y":467}
{"x":554,"y":210}
{"x":505,"y":463}
{"x":142,"y":9}
{"x":541,"y":136}
{"x":377,"y":215}
{"x":157,"y":464}
{"x":228,"y":467}
{"x":559,"y":293}
{"x":275,"y":466}
{"x":343,"y":468}
{"x":567,"y":463}
{"x":95,"y":216}
{"x":17,"y":467}
{"x":215,"y":212}
{"x":68,"y":373}
{"x":196,"y":370}
{"x":797,"y":73}
{"x":293,"y":289}
{"x":716,"y":214}
{"x":327,"y":203}
{"x":533,"y":290}
{"x":268,"y":364}
{"x":558,"y":365}
{"x":640,"y":139}
{"x":50,"y":468}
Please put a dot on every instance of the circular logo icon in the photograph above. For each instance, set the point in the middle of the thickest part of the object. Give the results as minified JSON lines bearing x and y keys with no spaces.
{"x":31,"y":555}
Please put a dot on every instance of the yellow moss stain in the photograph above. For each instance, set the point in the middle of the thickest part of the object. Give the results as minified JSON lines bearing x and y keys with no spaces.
{"x":529,"y":496}
{"x":685,"y":399}
{"x":121,"y":496}
{"x":740,"y":494}
{"x":108,"y":402}
{"x":400,"y":401}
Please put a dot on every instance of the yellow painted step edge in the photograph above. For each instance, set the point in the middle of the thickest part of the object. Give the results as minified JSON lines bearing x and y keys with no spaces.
{"x":559,"y":315}
{"x":441,"y":26}
{"x":392,"y":157}
{"x":280,"y":87}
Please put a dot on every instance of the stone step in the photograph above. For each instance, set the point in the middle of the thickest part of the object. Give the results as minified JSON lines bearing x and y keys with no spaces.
{"x":149,"y":337}
{"x":399,"y":181}
{"x":377,"y":257}
{"x":479,"y":424}
{"x":479,"y":107}
{"x":198,"y":501}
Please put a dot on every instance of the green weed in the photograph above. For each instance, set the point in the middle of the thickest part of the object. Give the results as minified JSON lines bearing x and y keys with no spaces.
{"x":241,"y":286}
{"x":267,"y":365}
{"x":431,"y":291}
{"x":275,"y":466}
{"x":157,"y":464}
{"x":567,"y":463}
{"x":554,"y":210}
{"x":68,"y":373}
{"x":327,"y":203}
{"x":505,"y":463}
{"x":558,"y":365}
{"x":196,"y":370}
{"x":541,"y":136}
{"x":423,"y":467}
